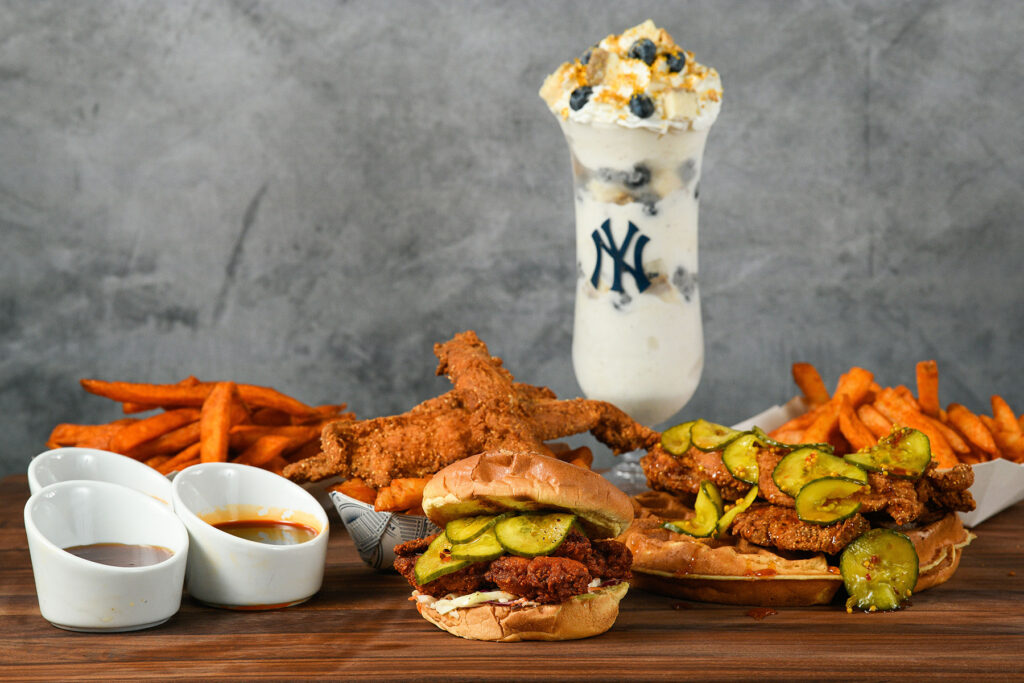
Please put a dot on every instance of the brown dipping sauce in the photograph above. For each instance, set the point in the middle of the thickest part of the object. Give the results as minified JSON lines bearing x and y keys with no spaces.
{"x":271,"y":533}
{"x":121,"y":554}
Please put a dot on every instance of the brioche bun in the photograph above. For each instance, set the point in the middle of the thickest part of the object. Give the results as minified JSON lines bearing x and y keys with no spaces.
{"x":582,"y":616}
{"x":500,"y":481}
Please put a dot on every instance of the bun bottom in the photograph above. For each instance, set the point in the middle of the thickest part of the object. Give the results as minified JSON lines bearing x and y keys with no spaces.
{"x":939,"y":546}
{"x":766,"y":592}
{"x":583,"y":616}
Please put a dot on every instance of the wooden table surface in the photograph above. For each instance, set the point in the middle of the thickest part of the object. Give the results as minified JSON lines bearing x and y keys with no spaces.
{"x":361,"y":625}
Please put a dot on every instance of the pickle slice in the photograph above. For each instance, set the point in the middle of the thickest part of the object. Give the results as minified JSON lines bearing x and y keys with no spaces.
{"x":740,"y":458}
{"x":807,"y":464}
{"x":827,"y":500}
{"x":769,"y":441}
{"x":707,"y":512}
{"x":879,"y":570}
{"x":466,"y":529}
{"x":676,"y":440}
{"x":708,"y":436}
{"x":904,"y":453}
{"x":484,"y":547}
{"x":725,"y":521}
{"x":533,"y":535}
{"x":437,"y":561}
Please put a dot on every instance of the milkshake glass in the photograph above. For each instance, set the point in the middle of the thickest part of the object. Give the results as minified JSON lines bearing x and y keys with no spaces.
{"x":637,"y":337}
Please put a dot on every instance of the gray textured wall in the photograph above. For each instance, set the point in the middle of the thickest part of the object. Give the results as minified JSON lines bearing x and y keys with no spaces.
{"x":309,"y":195}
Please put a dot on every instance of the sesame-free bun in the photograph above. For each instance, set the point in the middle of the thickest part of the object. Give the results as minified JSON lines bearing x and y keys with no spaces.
{"x":500,"y":481}
{"x":939,"y":546}
{"x":582,"y":616}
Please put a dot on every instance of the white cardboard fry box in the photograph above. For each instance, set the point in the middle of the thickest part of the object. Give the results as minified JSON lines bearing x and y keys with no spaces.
{"x":998,"y":484}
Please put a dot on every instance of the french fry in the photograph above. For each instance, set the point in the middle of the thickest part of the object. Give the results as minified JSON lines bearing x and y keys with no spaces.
{"x":418,"y":511}
{"x":130,"y":407}
{"x":167,"y":444}
{"x":826,"y":424}
{"x":908,"y":397}
{"x":856,"y":384}
{"x":890,"y":404}
{"x":400,"y":494}
{"x":156,"y":460}
{"x":1006,"y":420}
{"x":872,"y":419}
{"x":796,"y":426}
{"x":956,"y":442}
{"x":186,"y":457}
{"x":972,"y":428}
{"x":215,"y":423}
{"x":811,"y":385}
{"x":265,"y":449}
{"x":179,"y":395}
{"x":307,"y":450}
{"x":87,"y":436}
{"x":150,"y":428}
{"x":356,"y":488}
{"x":859,"y":436}
{"x":928,"y":387}
{"x":324,"y":413}
{"x":270,"y":417}
{"x":243,"y":436}
{"x":582,"y":457}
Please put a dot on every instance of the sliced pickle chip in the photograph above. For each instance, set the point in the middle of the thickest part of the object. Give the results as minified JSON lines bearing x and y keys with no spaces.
{"x":807,"y":464}
{"x":904,"y":453}
{"x":676,"y":440}
{"x":767,"y":440}
{"x":483,"y":547}
{"x":533,"y":535}
{"x":707,"y":511}
{"x":740,"y":458}
{"x":437,"y":561}
{"x":879,"y":570}
{"x":725,"y":521}
{"x":827,"y":500}
{"x":708,"y":436}
{"x":466,"y":529}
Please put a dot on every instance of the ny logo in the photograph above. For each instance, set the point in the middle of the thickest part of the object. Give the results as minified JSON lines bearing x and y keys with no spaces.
{"x":618,"y":255}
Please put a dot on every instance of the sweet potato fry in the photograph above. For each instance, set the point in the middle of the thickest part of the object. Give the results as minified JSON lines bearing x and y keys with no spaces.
{"x":179,"y":395}
{"x":856,"y":384}
{"x":928,"y":387}
{"x":956,"y":442}
{"x":186,"y":457}
{"x":400,"y":494}
{"x":797,"y":425}
{"x":581,"y":456}
{"x":87,"y":436}
{"x":271,"y":417}
{"x":826,"y":424}
{"x":167,"y":444}
{"x":131,"y":407}
{"x":356,"y":488}
{"x":417,"y":511}
{"x":324,"y":413}
{"x":150,"y":428}
{"x":890,"y":404}
{"x":878,"y":424}
{"x":859,"y":436}
{"x":265,"y":449}
{"x":156,"y":460}
{"x":1005,"y":418}
{"x":243,"y":436}
{"x":908,"y":397}
{"x":306,"y":450}
{"x":811,"y":385}
{"x":216,"y":422}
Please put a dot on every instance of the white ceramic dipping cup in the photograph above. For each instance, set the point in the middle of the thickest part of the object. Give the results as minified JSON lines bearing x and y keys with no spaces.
{"x":66,"y":464}
{"x":81,"y":595}
{"x":236,"y":573}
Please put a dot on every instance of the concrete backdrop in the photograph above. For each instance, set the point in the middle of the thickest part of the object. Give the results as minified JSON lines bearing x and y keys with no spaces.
{"x":310,"y":194}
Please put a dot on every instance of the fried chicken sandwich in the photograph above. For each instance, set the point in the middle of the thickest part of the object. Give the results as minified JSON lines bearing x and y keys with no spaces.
{"x":526,"y":551}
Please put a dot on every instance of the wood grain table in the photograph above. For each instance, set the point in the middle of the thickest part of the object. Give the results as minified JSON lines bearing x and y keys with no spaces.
{"x":361,"y":625}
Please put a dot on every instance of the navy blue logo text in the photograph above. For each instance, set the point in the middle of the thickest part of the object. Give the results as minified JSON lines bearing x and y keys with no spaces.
{"x":618,"y":255}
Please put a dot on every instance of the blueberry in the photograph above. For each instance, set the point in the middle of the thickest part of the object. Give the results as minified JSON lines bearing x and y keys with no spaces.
{"x":579,"y":97}
{"x":638,"y":177}
{"x":641,"y":105}
{"x":676,"y":62}
{"x":645,"y":50}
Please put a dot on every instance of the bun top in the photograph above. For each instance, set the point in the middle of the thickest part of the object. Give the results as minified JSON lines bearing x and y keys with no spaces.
{"x":501,"y":481}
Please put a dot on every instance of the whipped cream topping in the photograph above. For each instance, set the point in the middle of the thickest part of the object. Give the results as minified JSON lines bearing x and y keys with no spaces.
{"x":638,"y":79}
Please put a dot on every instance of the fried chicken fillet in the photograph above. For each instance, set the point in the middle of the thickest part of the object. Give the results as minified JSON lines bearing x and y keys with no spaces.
{"x":486,"y":410}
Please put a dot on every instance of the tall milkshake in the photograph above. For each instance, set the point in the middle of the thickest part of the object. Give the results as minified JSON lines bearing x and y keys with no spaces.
{"x":635,"y":110}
